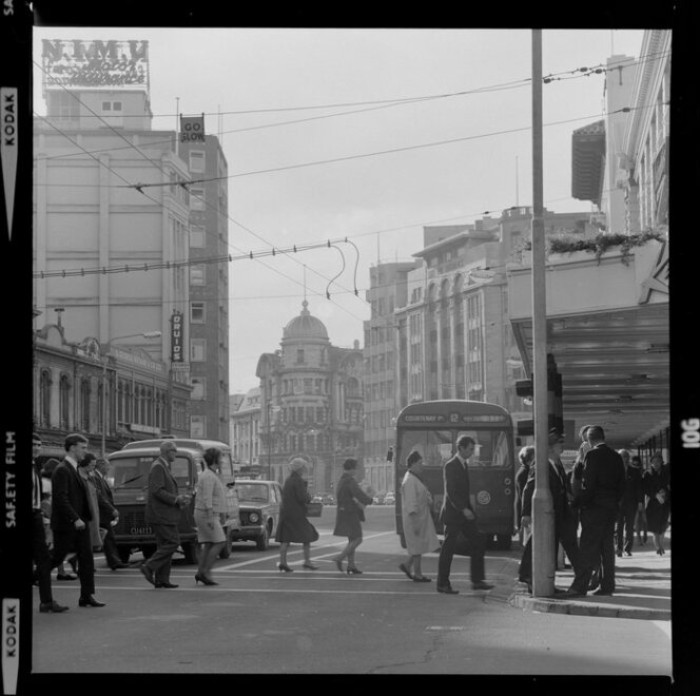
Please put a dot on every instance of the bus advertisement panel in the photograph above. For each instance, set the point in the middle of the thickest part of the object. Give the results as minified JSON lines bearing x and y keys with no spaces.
{"x":432,"y":428}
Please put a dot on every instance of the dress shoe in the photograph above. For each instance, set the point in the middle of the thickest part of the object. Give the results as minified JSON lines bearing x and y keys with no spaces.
{"x":309,"y":566}
{"x":352,"y":570}
{"x":628,"y":553}
{"x":422,"y":578}
{"x":51,"y":608}
{"x":117,"y":566}
{"x":446,"y":589}
{"x":406,"y":571}
{"x":147,"y":573}
{"x":603,"y":593}
{"x":66,"y":576}
{"x":481,"y":585}
{"x":203,"y":579}
{"x":89,"y":602}
{"x":285,"y":568}
{"x":166,"y":585}
{"x":619,"y":554}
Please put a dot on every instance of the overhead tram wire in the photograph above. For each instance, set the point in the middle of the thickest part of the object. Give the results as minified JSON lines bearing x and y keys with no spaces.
{"x":514,"y":84}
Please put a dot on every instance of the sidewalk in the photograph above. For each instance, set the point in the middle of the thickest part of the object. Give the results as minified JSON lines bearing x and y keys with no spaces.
{"x":643,"y":589}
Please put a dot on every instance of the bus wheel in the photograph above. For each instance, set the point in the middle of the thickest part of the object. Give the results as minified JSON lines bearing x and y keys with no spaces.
{"x":189,"y":549}
{"x":263,"y":541}
{"x":503,"y":542}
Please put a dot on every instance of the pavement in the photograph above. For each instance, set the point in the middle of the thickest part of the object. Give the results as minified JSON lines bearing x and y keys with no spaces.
{"x":643,"y":589}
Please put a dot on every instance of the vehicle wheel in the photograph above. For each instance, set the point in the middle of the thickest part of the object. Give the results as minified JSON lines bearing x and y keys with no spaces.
{"x":503,"y":542}
{"x":226,"y":549}
{"x":263,"y":541}
{"x":191,"y":552}
{"x":124,"y":553}
{"x":147,"y":550}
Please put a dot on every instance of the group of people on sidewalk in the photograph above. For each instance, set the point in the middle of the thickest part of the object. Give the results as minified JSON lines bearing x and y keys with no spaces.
{"x":604,"y":496}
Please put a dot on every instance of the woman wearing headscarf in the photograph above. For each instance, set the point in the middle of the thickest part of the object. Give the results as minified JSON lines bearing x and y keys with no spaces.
{"x":657,"y":486}
{"x":293,"y":527}
{"x":350,"y":514}
{"x":86,"y":467}
{"x":526,"y":457}
{"x":209,"y":506}
{"x":418,"y":525}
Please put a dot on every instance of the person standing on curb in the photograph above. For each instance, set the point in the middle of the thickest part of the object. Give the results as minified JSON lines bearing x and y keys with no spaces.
{"x":458,"y":516}
{"x":602,"y":485}
{"x":163,"y":510}
{"x":40,"y":552}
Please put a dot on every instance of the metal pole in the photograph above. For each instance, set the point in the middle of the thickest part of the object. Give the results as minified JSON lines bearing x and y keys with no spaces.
{"x":542,"y":512}
{"x":269,"y":442}
{"x":104,"y":406}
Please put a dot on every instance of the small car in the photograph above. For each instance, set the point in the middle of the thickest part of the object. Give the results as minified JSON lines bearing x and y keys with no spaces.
{"x":259,"y":512}
{"x":389,"y":499}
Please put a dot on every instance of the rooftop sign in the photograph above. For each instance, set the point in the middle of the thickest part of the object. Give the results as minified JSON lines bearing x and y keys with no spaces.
{"x":113,"y":65}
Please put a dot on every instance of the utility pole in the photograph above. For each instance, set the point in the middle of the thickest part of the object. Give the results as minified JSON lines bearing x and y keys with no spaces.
{"x":542,"y":509}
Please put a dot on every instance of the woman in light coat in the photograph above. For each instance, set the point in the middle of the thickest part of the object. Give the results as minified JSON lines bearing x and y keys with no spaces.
{"x":418,"y":526}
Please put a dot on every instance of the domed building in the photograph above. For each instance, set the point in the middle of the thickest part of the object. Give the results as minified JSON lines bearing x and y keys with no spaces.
{"x":311,"y":401}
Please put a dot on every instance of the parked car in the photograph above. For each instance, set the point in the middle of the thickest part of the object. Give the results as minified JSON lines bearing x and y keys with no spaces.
{"x":327,"y":499}
{"x":259,"y":512}
{"x":378,"y":499}
{"x":389,"y":499}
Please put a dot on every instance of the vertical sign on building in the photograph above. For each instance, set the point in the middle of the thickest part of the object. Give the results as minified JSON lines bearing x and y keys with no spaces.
{"x":192,"y":129}
{"x":176,"y":339}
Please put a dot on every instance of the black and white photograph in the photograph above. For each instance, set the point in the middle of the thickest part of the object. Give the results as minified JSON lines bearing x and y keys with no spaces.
{"x":346,"y":350}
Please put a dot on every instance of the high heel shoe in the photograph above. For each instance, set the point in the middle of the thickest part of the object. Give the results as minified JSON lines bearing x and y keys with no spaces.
{"x":204,"y":580}
{"x":354,"y":571}
{"x":285,"y":568}
{"x":309,"y":566}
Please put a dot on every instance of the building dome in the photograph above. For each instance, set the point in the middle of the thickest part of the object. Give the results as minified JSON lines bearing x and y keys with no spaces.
{"x":305,"y":326}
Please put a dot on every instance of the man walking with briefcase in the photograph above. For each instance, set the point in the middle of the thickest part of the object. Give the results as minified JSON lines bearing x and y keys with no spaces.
{"x":458,"y":516}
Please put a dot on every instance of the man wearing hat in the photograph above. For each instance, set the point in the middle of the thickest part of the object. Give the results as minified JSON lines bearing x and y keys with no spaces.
{"x":565,"y":522}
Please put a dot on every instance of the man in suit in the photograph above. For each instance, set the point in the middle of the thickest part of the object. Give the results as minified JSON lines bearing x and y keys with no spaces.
{"x":40,"y":551}
{"x":70,"y":514}
{"x":108,"y":517}
{"x":565,"y":518}
{"x":458,"y":516}
{"x":163,"y":513}
{"x":602,"y":485}
{"x":632,"y":502}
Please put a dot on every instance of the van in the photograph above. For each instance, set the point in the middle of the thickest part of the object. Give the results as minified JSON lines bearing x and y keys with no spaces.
{"x":128,"y":471}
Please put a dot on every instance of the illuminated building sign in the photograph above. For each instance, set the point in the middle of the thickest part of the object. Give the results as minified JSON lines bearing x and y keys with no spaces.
{"x":95,"y":64}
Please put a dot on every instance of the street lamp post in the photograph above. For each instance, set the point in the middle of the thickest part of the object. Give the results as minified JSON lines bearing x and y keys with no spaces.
{"x":103,"y":356}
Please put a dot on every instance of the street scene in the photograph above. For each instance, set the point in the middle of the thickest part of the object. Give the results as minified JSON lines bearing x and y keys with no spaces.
{"x":351,"y":353}
{"x":259,"y":620}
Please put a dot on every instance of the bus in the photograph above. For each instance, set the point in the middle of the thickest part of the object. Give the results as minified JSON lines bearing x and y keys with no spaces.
{"x":433,"y":428}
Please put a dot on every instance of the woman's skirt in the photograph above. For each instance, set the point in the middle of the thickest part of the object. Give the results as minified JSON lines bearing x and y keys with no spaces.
{"x":205,"y":533}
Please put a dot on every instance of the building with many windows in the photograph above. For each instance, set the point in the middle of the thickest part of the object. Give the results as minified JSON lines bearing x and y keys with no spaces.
{"x":245,"y":432}
{"x":311,"y":403}
{"x":208,"y":282}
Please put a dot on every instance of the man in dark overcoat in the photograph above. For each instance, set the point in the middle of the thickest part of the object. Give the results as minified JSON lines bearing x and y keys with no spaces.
{"x":458,"y":515}
{"x":602,"y":485}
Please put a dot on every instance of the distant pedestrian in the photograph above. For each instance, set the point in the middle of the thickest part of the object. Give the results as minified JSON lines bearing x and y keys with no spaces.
{"x":417,"y":521}
{"x":459,"y":517}
{"x":40,"y":551}
{"x":293,"y":527}
{"x":350,"y":513}
{"x":163,"y":511}
{"x":657,"y":486}
{"x":632,"y":502}
{"x":86,"y":467}
{"x":602,"y":485}
{"x":70,"y":516}
{"x":564,"y":517}
{"x":526,"y":456}
{"x":209,"y":507}
{"x":109,"y":516}
{"x":640,"y":520}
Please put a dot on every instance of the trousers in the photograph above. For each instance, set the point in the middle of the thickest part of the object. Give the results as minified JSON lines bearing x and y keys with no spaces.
{"x":476,"y":546}
{"x":167,"y":541}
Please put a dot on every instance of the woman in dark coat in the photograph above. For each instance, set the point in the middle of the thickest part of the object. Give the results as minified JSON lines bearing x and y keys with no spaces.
{"x":350,"y":500}
{"x":526,"y":457}
{"x":293,"y":527}
{"x":657,"y":486}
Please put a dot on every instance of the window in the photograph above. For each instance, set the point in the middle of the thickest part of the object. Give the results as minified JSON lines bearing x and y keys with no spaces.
{"x":64,"y":402}
{"x":197,"y":161}
{"x":197,"y":236}
{"x":197,"y":427}
{"x":45,"y":398}
{"x":197,"y":200}
{"x":300,"y":356}
{"x":199,"y":391}
{"x":197,"y":275}
{"x":111,"y":106}
{"x":198,"y":349}
{"x":85,"y":405}
{"x":197,"y":312}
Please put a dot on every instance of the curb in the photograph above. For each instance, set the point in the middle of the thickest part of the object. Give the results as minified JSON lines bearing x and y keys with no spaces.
{"x":573,"y":608}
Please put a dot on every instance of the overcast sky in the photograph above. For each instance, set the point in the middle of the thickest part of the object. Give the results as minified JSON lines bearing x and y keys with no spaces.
{"x":481,"y":83}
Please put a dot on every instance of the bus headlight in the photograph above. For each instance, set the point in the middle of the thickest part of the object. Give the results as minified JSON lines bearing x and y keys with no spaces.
{"x":254,"y":517}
